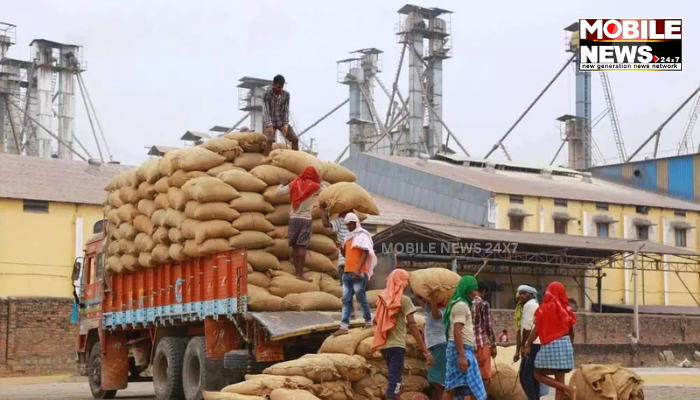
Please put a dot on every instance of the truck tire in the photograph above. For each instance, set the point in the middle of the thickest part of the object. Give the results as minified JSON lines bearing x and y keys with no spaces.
{"x":237,"y":361}
{"x":193,"y":368}
{"x":167,"y":369}
{"x":94,"y":372}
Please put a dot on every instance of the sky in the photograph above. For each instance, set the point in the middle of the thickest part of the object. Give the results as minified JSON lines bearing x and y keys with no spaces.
{"x":159,"y":68}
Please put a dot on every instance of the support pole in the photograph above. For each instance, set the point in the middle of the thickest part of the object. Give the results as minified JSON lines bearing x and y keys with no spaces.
{"x":563,"y":142}
{"x":92,"y":125}
{"x":498,"y":144}
{"x":395,"y":85}
{"x":328,"y":114}
{"x":240,"y":121}
{"x":637,"y":248}
{"x":337,"y":160}
{"x":599,"y":287}
{"x":94,"y":112}
{"x":12,"y":125}
{"x":688,"y":289}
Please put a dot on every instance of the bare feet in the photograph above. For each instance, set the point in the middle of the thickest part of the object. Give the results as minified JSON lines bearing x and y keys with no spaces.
{"x":340,"y":332}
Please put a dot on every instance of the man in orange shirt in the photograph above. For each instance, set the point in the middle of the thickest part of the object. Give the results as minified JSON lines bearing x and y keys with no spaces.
{"x":360,"y":260}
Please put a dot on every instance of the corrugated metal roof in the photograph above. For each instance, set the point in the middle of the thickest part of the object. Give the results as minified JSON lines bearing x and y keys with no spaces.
{"x":34,"y":178}
{"x":392,"y":212}
{"x":532,"y":184}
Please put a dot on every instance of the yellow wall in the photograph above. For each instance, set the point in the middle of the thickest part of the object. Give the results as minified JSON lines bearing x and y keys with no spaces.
{"x":614,"y":291}
{"x":37,"y":251}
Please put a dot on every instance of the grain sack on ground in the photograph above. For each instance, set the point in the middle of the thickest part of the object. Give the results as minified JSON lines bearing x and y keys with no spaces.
{"x":174,"y":218}
{"x":159,"y":217}
{"x":177,"y":198}
{"x":272,"y":175}
{"x":249,"y":141}
{"x":372,"y":296}
{"x":177,"y":252}
{"x":504,"y":384}
{"x":162,"y":185}
{"x":248,"y":161}
{"x":364,"y":348}
{"x":228,"y":396}
{"x":280,"y":232}
{"x":280,"y":249}
{"x":263,"y":385}
{"x":294,"y":161}
{"x":603,"y":382}
{"x":227,"y":166}
{"x":258,"y":279}
{"x":253,"y":221}
{"x":413,"y":383}
{"x":251,"y":202}
{"x":281,"y":145}
{"x":145,"y":260}
{"x":225,"y":147}
{"x":161,"y":253}
{"x":287,"y":266}
{"x":334,"y":390}
{"x":161,"y":201}
{"x":144,"y":243}
{"x":144,"y":224}
{"x":378,"y":366}
{"x":414,"y":366}
{"x":114,"y":264}
{"x":439,"y":281}
{"x":319,"y":263}
{"x":146,"y":207}
{"x":283,"y":284}
{"x":290,"y":382}
{"x":180,"y":177}
{"x":314,"y":301}
{"x":322,"y":244}
{"x":371,"y":386}
{"x":210,"y":211}
{"x":215,"y":229}
{"x":334,"y":173}
{"x":129,"y":194}
{"x":270,"y":195}
{"x":242,"y":181}
{"x":209,"y":189}
{"x":280,"y":216}
{"x":318,"y":228}
{"x":262,"y":261}
{"x":166,"y":166}
{"x":351,"y":368}
{"x":197,"y":159}
{"x":346,"y":344}
{"x":127,"y":231}
{"x":291,"y":394}
{"x":250,"y":240}
{"x":147,"y":191}
{"x":129,"y":262}
{"x":148,"y":171}
{"x":330,"y":285}
{"x":414,"y":396}
{"x":345,"y":196}
{"x":317,"y":369}
{"x":127,"y":212}
{"x":175,"y":236}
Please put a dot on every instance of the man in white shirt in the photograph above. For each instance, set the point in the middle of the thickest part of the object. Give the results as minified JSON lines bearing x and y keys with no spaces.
{"x":527,"y":295}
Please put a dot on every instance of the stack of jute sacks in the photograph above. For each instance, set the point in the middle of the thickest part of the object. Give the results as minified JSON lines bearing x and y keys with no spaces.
{"x":220,"y":195}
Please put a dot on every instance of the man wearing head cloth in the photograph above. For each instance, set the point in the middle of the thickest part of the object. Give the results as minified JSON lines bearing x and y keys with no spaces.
{"x":525,"y":322}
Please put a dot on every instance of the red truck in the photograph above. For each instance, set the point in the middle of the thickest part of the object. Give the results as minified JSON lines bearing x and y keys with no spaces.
{"x":189,"y":321}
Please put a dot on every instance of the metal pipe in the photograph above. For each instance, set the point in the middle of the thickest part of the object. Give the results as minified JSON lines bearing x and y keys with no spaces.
{"x":395,"y":85}
{"x":328,"y":114}
{"x":657,"y":132}
{"x":337,"y":160}
{"x":82,"y":146}
{"x":495,"y":146}
{"x":240,"y":121}
{"x":94,"y":112}
{"x":92,"y":126}
{"x":563,"y":142}
{"x":12,"y":125}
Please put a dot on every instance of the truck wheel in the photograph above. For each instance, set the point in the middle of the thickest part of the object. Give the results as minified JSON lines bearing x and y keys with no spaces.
{"x":167,"y":369}
{"x":193,"y":368}
{"x":94,"y":372}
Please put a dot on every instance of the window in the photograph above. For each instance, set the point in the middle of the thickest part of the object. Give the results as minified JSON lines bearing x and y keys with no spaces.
{"x":36,"y":206}
{"x":643,"y":232}
{"x":642,"y":210}
{"x":516,"y":223}
{"x":603,"y":229}
{"x":679,"y":213}
{"x":560,"y":202}
{"x":560,"y":226}
{"x":680,"y":237}
{"x":602,"y":206}
{"x":517,"y":199}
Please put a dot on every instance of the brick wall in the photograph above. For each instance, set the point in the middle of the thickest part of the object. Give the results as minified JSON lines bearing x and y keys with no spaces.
{"x":36,"y":337}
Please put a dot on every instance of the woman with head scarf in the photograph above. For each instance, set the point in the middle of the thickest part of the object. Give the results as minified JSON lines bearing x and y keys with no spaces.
{"x":554,"y":327}
{"x":394,"y":315}
{"x":436,"y":342}
{"x":360,"y":261}
{"x":463,"y":377}
{"x":302,"y":191}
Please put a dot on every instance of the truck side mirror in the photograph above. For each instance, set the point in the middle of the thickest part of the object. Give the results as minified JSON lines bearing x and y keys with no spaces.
{"x":76,"y":270}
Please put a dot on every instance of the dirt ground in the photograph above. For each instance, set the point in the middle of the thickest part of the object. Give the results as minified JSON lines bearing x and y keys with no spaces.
{"x":143,"y":391}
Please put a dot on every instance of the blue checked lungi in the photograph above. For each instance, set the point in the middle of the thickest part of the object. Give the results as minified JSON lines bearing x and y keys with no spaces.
{"x":470,"y":382}
{"x":558,"y":355}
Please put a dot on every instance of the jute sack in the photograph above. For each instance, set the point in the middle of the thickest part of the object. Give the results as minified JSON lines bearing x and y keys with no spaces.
{"x":291,"y":382}
{"x":113,"y":217}
{"x":248,"y":161}
{"x":253,"y":221}
{"x":227,"y":166}
{"x":174,"y":218}
{"x":318,"y":228}
{"x":281,"y":145}
{"x":161,"y":201}
{"x":283,"y":284}
{"x":280,"y":216}
{"x":145,"y":260}
{"x":162,"y":185}
{"x":345,"y":196}
{"x":251,"y":202}
{"x":114,"y":199}
{"x":350,"y":368}
{"x":228,"y":396}
{"x":129,"y":194}
{"x":143,"y":223}
{"x":159,"y":217}
{"x":177,"y":198}
{"x":175,"y":236}
{"x":318,"y":369}
{"x":250,"y":240}
{"x":414,"y":366}
{"x":114,"y":264}
{"x":378,"y":366}
{"x":223,"y":147}
{"x":177,"y":252}
{"x":260,"y":299}
{"x":127,"y":212}
{"x":334,"y":390}
{"x":197,"y":159}
{"x":166,"y":166}
{"x":180,"y":177}
{"x":372,"y":296}
{"x":291,"y":394}
{"x":270,"y":195}
{"x":272,"y":175}
{"x":262,"y":261}
{"x":322,"y":244}
{"x":345,"y":344}
{"x":144,"y":243}
{"x":210,"y":211}
{"x":371,"y":386}
{"x":127,"y":231}
{"x":287,"y":266}
{"x":330,"y":285}
{"x":114,"y":249}
{"x":209,"y":189}
{"x":127,"y":178}
{"x":129,"y":262}
{"x":294,"y":161}
{"x":414,"y":396}
{"x":505,"y":384}
{"x":149,"y":171}
{"x":319,"y":263}
{"x":334,"y":173}
{"x":315,"y":301}
{"x":364,"y":348}
{"x":161,"y":253}
{"x":188,"y":228}
{"x":146,"y":207}
{"x":280,"y":249}
{"x":413,"y":383}
{"x":209,"y":247}
{"x":191,"y":249}
{"x":147,"y":191}
{"x":258,"y":279}
{"x":280,"y":232}
{"x":162,"y":235}
{"x":441,"y":282}
{"x":242,"y":181}
{"x":249,"y":141}
{"x":215,"y":229}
